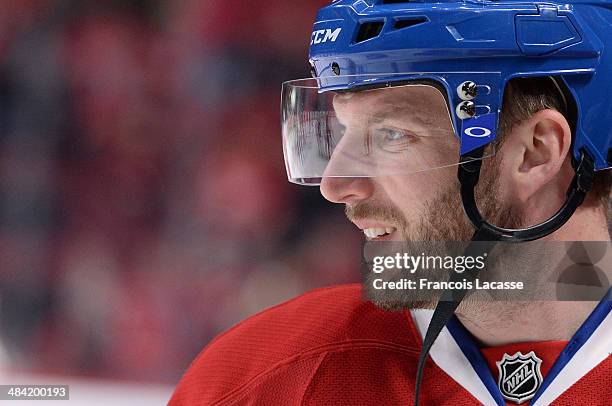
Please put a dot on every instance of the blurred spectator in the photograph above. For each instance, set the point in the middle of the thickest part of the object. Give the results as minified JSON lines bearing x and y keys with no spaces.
{"x":143,"y":200}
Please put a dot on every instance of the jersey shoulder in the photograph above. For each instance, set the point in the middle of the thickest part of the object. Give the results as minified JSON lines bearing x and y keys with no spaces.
{"x":311,"y":323}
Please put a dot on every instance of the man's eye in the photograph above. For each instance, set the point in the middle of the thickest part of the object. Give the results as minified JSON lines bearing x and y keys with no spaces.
{"x":393,"y":139}
{"x":394,"y":135}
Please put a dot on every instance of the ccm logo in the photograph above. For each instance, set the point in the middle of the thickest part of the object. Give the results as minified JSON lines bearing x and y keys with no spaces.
{"x":477,"y":132}
{"x":321,"y":36}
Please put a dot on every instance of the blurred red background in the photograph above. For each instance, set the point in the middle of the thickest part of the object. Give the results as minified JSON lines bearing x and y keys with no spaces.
{"x":144,"y":206}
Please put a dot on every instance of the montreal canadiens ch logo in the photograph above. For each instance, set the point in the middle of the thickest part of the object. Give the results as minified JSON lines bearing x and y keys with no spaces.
{"x":519,"y":376}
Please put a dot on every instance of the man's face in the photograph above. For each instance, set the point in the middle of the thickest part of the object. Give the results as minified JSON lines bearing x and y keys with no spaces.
{"x":413,"y":193}
{"x":407,"y":188}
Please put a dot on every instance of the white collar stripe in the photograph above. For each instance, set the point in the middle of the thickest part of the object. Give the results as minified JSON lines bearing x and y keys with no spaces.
{"x":449,"y":357}
{"x":477,"y":360}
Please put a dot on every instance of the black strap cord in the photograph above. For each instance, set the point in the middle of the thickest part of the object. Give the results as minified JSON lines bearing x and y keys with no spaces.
{"x":486,"y":236}
{"x":482,"y":241}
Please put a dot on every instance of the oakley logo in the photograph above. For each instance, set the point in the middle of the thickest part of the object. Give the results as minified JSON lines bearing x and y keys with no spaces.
{"x":322,"y":36}
{"x":477,"y":132}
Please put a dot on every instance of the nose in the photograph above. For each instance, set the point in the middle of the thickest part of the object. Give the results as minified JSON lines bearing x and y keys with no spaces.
{"x":346,"y":190}
{"x":337,"y":184}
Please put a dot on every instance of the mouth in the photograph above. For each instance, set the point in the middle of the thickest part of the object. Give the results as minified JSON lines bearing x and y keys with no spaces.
{"x":378,"y":233}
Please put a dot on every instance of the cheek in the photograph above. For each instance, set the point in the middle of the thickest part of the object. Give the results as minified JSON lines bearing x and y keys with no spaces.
{"x":496,"y":173}
{"x":410,"y":193}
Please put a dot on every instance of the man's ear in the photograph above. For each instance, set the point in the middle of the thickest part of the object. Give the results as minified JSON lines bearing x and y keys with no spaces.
{"x":536,"y":151}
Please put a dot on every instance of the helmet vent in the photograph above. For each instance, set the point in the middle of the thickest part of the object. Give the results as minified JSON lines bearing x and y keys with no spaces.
{"x":409,"y":22}
{"x":369,"y":30}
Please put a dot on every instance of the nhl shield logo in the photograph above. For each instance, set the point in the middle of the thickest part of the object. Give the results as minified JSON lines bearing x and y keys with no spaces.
{"x":519,"y":376}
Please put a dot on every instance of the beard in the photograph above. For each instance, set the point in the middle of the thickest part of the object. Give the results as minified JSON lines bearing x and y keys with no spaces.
{"x":442,"y":230}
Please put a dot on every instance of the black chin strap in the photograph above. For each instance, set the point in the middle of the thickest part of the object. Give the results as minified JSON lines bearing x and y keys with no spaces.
{"x":469,"y":173}
{"x":487,"y":235}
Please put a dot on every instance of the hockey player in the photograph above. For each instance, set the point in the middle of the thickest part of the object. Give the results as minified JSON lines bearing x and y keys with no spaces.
{"x":405,"y":95}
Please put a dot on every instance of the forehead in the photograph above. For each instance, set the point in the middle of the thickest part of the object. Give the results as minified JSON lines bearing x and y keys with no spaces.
{"x":424,"y":99}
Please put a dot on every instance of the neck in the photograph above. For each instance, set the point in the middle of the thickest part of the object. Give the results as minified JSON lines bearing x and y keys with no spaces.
{"x":501,"y":323}
{"x":526,"y":321}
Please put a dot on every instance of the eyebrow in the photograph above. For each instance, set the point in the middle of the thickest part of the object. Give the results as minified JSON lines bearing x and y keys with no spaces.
{"x":382,"y":115}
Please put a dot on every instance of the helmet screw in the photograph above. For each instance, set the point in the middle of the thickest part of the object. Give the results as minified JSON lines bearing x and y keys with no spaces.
{"x":467,"y":90}
{"x":336,"y":68}
{"x":466,"y":109}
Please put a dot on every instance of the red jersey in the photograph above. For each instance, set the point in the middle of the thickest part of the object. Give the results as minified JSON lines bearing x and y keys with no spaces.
{"x":331,"y":347}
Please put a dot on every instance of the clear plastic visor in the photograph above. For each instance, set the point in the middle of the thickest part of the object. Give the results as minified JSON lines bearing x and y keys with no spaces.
{"x":386,"y":131}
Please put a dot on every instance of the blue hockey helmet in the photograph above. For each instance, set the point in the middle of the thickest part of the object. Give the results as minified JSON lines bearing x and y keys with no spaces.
{"x":453,"y":59}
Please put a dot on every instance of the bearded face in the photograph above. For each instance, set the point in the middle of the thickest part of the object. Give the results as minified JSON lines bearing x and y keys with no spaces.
{"x":420,"y":206}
